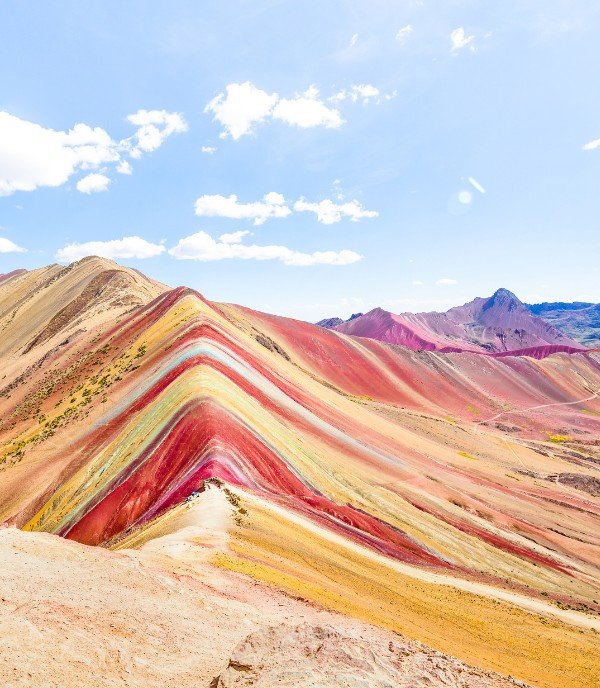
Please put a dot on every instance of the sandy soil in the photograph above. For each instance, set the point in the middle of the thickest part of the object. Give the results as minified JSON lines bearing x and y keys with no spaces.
{"x":73,"y":615}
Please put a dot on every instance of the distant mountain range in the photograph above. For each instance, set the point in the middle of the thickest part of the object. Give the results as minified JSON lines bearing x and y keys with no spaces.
{"x":500,"y":323}
{"x":330,"y":323}
{"x":578,"y":320}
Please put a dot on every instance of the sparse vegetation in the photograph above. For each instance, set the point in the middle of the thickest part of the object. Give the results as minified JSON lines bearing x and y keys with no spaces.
{"x":88,"y":375}
{"x":558,"y":439}
{"x":466,"y":455}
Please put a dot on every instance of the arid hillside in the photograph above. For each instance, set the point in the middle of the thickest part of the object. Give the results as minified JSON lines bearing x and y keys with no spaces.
{"x":207,"y":448}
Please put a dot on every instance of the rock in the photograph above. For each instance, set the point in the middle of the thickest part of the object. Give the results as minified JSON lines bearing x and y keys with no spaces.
{"x":308,"y":656}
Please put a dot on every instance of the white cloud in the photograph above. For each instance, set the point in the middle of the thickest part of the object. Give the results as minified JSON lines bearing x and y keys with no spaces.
{"x":208,"y":149}
{"x":404,"y":34}
{"x":8,"y":246}
{"x":446,"y":281}
{"x":337,"y":189}
{"x":93,"y":183}
{"x":329,"y":212}
{"x":591,"y":145}
{"x":465,"y":197}
{"x":363,"y":91}
{"x":272,"y":205}
{"x":201,"y":246}
{"x":307,"y":110}
{"x":417,"y":283}
{"x":338,"y":97}
{"x":234,"y":237}
{"x":93,"y":145}
{"x":154,"y":126}
{"x":353,"y":40}
{"x":127,"y":247}
{"x":460,"y":40}
{"x":476,"y":185}
{"x":33,"y":156}
{"x":124,"y":167}
{"x":358,"y":92}
{"x":242,"y":107}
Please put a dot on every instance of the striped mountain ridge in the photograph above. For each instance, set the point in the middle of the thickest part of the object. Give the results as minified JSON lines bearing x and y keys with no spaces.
{"x":469,"y":481}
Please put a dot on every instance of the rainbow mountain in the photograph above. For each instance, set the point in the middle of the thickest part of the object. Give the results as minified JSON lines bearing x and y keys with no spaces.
{"x":451,"y":497}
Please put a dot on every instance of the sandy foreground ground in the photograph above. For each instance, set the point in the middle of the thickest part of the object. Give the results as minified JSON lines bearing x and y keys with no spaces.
{"x":72,"y":615}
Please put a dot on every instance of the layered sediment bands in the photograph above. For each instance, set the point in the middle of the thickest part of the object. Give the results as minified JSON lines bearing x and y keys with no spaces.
{"x":209,"y":405}
{"x":506,"y":632}
{"x":388,"y":457}
{"x":52,"y":302}
{"x":128,"y":619}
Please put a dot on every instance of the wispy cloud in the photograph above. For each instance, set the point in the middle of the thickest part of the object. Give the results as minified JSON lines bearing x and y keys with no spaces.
{"x":591,"y":145}
{"x":446,"y":282}
{"x":404,"y":34}
{"x":127,"y":247}
{"x":460,"y":40}
{"x":124,"y":167}
{"x":8,"y":246}
{"x":202,"y":247}
{"x":154,"y":127}
{"x":360,"y":92}
{"x":234,"y":237}
{"x":272,"y":205}
{"x":329,"y":213}
{"x":476,"y":185}
{"x":363,"y":92}
{"x":242,"y":107}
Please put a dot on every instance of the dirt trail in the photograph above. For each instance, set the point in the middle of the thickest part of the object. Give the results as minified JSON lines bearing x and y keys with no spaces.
{"x":534,"y":408}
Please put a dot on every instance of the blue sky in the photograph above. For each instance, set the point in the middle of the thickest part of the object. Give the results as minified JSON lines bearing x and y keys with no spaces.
{"x":307,"y":159}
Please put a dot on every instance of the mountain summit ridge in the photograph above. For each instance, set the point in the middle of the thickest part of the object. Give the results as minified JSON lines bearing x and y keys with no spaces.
{"x":496,"y":324}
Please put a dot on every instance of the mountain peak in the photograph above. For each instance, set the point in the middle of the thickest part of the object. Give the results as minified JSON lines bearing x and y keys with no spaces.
{"x":330,"y":322}
{"x":505,"y":300}
{"x":503,"y":293}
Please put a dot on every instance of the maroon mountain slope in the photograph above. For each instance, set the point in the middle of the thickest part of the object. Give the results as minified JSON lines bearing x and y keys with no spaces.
{"x":499,"y":323}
